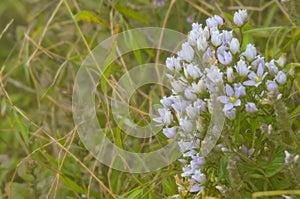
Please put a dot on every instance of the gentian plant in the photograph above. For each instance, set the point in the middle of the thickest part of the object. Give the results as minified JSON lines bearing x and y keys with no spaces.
{"x":259,"y":146}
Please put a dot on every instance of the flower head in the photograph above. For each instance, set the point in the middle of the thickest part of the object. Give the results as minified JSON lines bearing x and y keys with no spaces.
{"x":224,"y":55}
{"x":256,"y":78}
{"x":240,"y":17}
{"x":231,"y":99}
{"x":281,"y":77}
{"x":234,"y":45}
{"x":242,"y":68}
{"x":187,"y":52}
{"x":250,"y":52}
{"x":251,"y":107}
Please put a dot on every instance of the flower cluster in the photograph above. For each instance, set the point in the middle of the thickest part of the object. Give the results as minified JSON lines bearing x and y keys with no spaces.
{"x":212,"y":64}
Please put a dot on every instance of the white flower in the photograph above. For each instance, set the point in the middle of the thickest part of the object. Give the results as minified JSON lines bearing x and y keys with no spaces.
{"x":242,"y":68}
{"x":202,"y":43}
{"x":191,"y":70}
{"x":230,"y":74}
{"x":272,"y":87}
{"x":170,"y":63}
{"x":208,"y":54}
{"x":170,"y":132}
{"x":226,"y":36}
{"x":259,"y":60}
{"x":234,"y":45}
{"x":214,"y":21}
{"x":177,"y":64}
{"x":167,"y":101}
{"x":192,"y":112}
{"x":199,"y":87}
{"x":230,"y":114}
{"x":179,"y":105}
{"x":199,"y":177}
{"x":186,"y":125}
{"x":216,"y":39}
{"x":214,"y":74}
{"x":250,"y":52}
{"x":290,"y":159}
{"x":178,"y":86}
{"x":240,"y":89}
{"x":166,"y":116}
{"x":240,"y":17}
{"x":188,"y":93}
{"x":281,"y":61}
{"x":200,"y":105}
{"x":251,"y":107}
{"x":187,"y":52}
{"x":224,"y":56}
{"x":272,"y":67}
{"x":194,"y":33}
{"x":281,"y":77}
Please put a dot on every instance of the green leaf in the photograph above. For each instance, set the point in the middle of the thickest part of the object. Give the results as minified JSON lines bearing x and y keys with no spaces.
{"x":169,"y":186}
{"x":107,"y":62}
{"x":295,"y":112}
{"x":23,"y":130}
{"x":73,"y":185}
{"x":275,"y":165}
{"x":135,"y":194}
{"x":89,"y":16}
{"x":131,"y":13}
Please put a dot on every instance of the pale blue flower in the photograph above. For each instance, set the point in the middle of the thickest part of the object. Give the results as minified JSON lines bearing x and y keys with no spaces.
{"x":290,"y":159}
{"x":178,"y":86}
{"x":224,"y":55}
{"x":240,"y":17}
{"x":202,"y":43}
{"x":159,"y":3}
{"x":250,"y":52}
{"x":259,"y":60}
{"x":281,"y":77}
{"x":226,"y":36}
{"x":199,"y":177}
{"x":195,"y":33}
{"x":192,"y":112}
{"x":170,"y":132}
{"x":272,"y":87}
{"x":214,"y":75}
{"x":251,"y":107}
{"x":191,"y":70}
{"x":179,"y":105}
{"x":197,"y":162}
{"x":240,"y":89}
{"x":216,"y":39}
{"x":165,"y":118}
{"x":230,"y":74}
{"x":187,"y":52}
{"x":186,"y":125}
{"x":170,"y":63}
{"x":208,"y":54}
{"x":190,"y":19}
{"x":234,"y":45}
{"x":242,"y":68}
{"x":196,"y":188}
{"x":244,"y":150}
{"x":167,"y":101}
{"x":188,"y":94}
{"x":200,"y":105}
{"x":199,"y":87}
{"x":256,"y":79}
{"x":272,"y":68}
{"x":231,"y":99}
{"x":214,"y":21}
